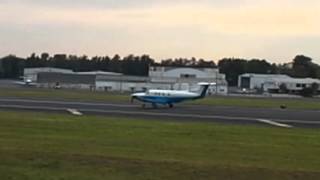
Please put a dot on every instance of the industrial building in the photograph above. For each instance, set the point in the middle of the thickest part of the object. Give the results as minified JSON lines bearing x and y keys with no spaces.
{"x":178,"y":78}
{"x":65,"y":80}
{"x":272,"y":82}
{"x":31,"y":74}
{"x":187,"y":78}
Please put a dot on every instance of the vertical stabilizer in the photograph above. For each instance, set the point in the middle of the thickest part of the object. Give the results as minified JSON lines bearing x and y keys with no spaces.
{"x":203,"y":89}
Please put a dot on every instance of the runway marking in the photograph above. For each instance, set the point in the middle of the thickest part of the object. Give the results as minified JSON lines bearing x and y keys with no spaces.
{"x":274,"y":123}
{"x":212,"y":117}
{"x":75,"y":112}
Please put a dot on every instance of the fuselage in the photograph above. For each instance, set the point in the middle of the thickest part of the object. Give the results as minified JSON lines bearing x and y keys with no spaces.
{"x":164,"y":96}
{"x":170,"y":97}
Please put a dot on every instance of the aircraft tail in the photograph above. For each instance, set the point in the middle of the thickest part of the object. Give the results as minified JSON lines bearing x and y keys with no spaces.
{"x":203,"y":90}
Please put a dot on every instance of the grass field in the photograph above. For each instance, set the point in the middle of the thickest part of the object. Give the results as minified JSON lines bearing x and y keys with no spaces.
{"x":53,"y":146}
{"x":116,"y":97}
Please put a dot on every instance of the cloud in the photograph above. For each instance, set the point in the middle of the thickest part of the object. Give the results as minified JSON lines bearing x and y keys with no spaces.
{"x":164,"y":28}
{"x":255,"y":20}
{"x":110,"y":4}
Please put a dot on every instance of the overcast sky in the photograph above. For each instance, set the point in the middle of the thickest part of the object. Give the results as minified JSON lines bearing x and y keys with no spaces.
{"x":275,"y":30}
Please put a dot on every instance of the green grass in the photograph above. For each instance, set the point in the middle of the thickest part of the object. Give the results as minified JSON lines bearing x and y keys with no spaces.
{"x":53,"y":146}
{"x":63,"y":94}
{"x":118,"y":97}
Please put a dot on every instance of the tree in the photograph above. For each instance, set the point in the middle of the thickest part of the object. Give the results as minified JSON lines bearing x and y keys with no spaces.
{"x":258,"y":66}
{"x":235,"y":67}
{"x":12,"y":67}
{"x":34,"y":61}
{"x":59,"y":61}
{"x":146,"y":62}
{"x":115,"y":64}
{"x":232,"y":68}
{"x":45,"y":56}
{"x":303,"y":67}
{"x":193,"y":62}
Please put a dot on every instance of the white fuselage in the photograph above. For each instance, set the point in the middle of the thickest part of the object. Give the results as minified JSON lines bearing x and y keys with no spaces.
{"x":169,"y":97}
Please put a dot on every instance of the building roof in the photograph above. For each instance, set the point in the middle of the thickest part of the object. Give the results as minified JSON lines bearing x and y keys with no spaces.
{"x":48,"y":69}
{"x":184,"y":66}
{"x":99,"y":73}
{"x":69,"y":71}
{"x":284,"y":76}
{"x":281,"y":78}
{"x":122,"y":78}
{"x":297,"y":80}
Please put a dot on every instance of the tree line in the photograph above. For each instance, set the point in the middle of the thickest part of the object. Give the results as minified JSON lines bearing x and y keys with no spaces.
{"x":301,"y":66}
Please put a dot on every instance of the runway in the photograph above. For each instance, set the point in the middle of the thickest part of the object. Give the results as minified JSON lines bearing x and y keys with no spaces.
{"x":287,"y":118}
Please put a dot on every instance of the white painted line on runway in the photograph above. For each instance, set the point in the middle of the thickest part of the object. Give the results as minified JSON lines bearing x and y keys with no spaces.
{"x":75,"y":112}
{"x":274,"y":123}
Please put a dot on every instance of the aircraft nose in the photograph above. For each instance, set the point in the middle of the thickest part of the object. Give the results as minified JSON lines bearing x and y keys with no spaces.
{"x":136,"y":95}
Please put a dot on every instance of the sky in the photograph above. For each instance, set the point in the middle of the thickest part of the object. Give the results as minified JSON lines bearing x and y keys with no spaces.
{"x":275,"y":30}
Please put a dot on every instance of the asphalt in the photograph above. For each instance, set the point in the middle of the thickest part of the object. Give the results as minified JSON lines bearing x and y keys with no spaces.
{"x":285,"y":118}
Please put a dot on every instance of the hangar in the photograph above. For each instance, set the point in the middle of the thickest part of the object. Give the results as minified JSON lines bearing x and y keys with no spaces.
{"x":187,"y":78}
{"x":273,"y":82}
{"x":32,"y":73}
{"x":178,"y":78}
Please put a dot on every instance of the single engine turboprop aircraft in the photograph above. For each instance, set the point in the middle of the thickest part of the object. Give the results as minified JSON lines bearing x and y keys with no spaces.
{"x":169,"y":97}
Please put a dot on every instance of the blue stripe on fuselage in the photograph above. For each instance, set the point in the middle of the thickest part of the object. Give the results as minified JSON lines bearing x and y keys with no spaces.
{"x":162,"y":99}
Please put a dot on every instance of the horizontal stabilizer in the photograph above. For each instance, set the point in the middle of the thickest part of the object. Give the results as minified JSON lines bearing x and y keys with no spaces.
{"x":206,"y":84}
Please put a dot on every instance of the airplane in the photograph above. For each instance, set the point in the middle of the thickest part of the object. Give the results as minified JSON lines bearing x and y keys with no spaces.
{"x":26,"y":82}
{"x":169,"y":97}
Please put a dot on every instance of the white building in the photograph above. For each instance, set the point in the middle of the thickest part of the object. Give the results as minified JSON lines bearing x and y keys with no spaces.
{"x":121,"y":83}
{"x":99,"y":73}
{"x":272,"y":82}
{"x":187,"y":78}
{"x":159,"y":78}
{"x":293,"y":85}
{"x":31,"y":74}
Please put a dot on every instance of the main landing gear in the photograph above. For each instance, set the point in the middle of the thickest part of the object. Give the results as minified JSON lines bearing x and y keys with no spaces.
{"x":155,"y":106}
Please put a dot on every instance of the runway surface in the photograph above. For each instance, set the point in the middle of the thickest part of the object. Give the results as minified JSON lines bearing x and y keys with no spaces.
{"x":286,"y":118}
